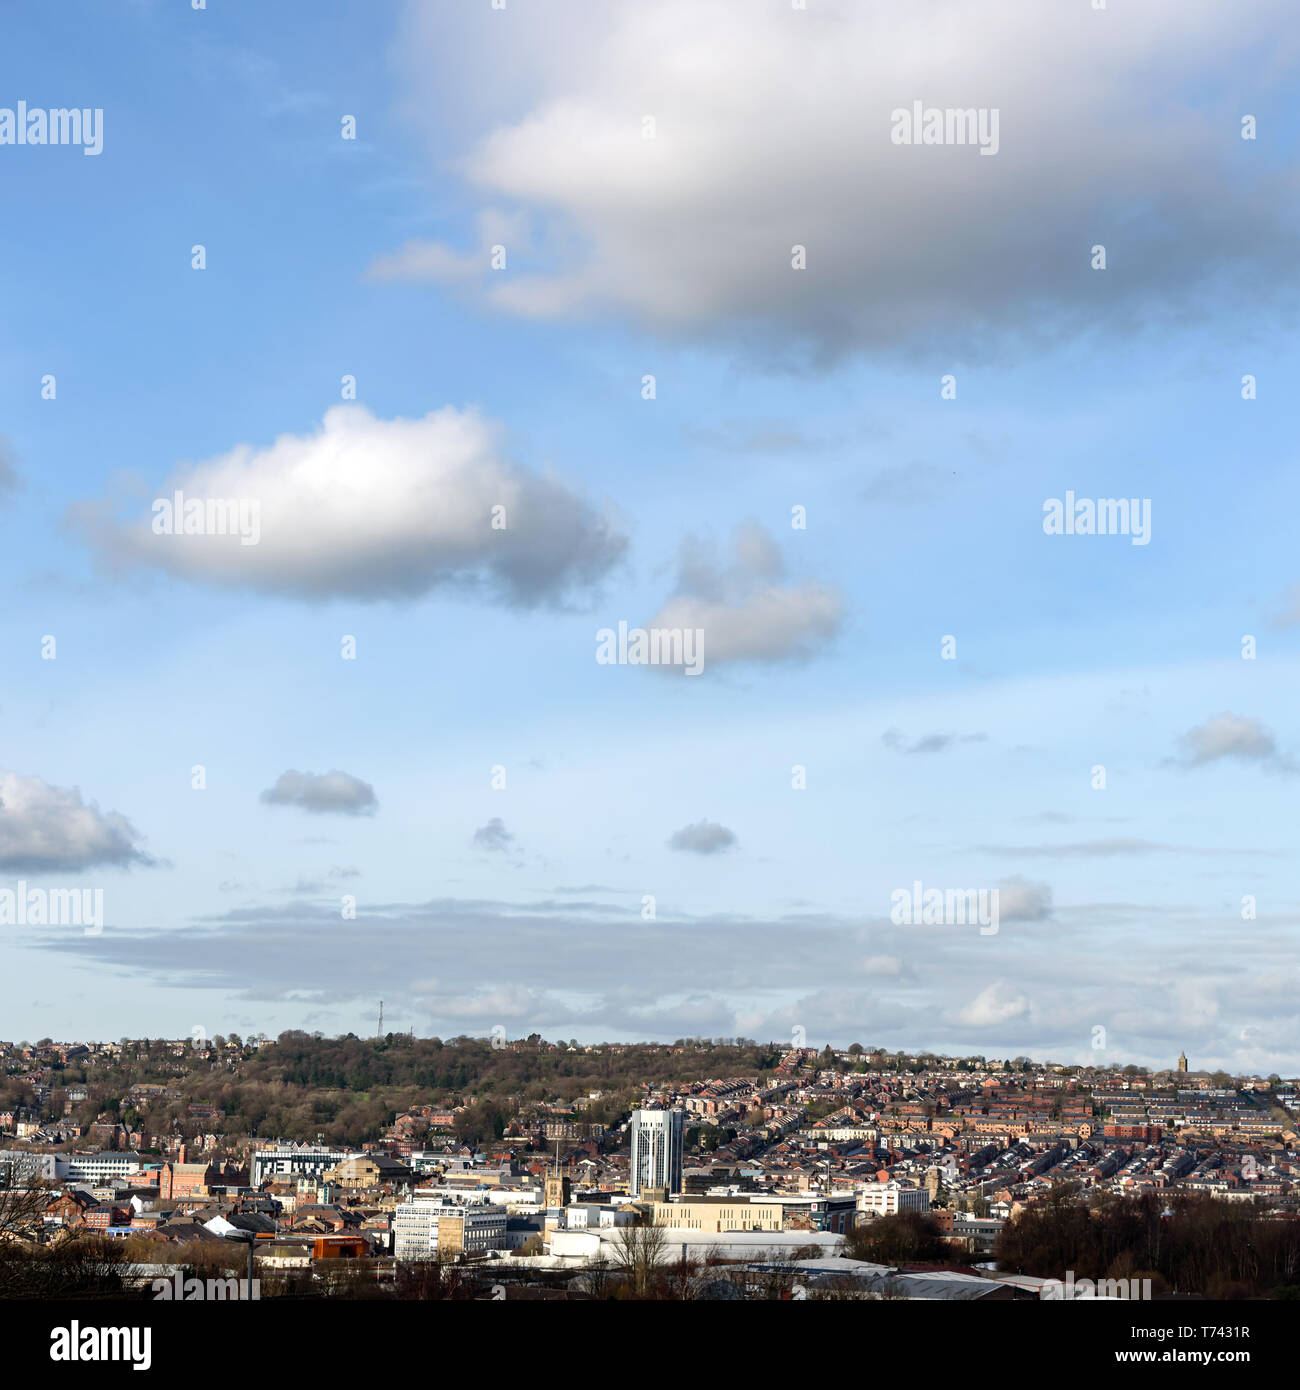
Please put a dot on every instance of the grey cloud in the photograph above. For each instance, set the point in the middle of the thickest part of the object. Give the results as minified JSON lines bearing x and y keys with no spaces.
{"x":745,"y":609}
{"x":1022,"y":901}
{"x":903,"y":484}
{"x":932,"y":743}
{"x":1104,"y":967}
{"x":310,"y":886}
{"x":332,"y":792}
{"x":1290,"y":615}
{"x":704,"y":837}
{"x":1235,"y":737}
{"x":9,"y":481}
{"x":493,"y":836}
{"x":689,"y":234}
{"x":1100,"y":849}
{"x":752,"y":437}
{"x":929,"y":743}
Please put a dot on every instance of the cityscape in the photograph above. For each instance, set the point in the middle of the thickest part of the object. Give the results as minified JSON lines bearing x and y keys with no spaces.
{"x":740,"y":1171}
{"x":650,"y":653}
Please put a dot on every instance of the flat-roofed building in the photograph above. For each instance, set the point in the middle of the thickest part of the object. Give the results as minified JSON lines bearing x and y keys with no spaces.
{"x":730,"y":1213}
{"x":293,"y":1160}
{"x":889,"y":1198}
{"x":95,"y":1167}
{"x":429,"y":1227}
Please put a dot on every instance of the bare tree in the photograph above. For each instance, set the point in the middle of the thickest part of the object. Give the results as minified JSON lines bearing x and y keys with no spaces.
{"x":769,"y":1277}
{"x":597,"y":1277}
{"x":23,"y":1196}
{"x":639,"y":1251}
{"x":432,"y":1279}
{"x":685,"y":1278}
{"x":80,"y":1266}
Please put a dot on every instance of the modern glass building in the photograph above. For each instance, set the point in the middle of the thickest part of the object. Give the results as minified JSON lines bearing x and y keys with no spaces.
{"x":657,"y":1138}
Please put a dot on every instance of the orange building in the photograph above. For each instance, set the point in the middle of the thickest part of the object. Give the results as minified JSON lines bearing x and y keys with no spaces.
{"x":338,"y":1248}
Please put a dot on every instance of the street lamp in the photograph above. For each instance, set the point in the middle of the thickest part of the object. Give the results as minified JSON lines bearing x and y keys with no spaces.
{"x":248,"y":1238}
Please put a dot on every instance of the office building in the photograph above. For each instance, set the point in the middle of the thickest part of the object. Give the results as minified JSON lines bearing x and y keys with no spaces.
{"x":294,"y":1161}
{"x":657,"y":1140}
{"x":430,"y":1227}
{"x":98,"y":1167}
{"x":889,"y":1198}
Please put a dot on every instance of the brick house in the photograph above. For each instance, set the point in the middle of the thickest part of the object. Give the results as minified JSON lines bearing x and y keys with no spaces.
{"x":70,"y":1208}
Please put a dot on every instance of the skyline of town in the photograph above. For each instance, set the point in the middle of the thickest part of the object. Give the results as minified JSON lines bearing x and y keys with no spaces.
{"x":399,"y":1167}
{"x":649,"y":653}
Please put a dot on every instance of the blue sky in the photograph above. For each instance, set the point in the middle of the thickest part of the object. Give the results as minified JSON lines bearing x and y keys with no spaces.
{"x":328,"y":257}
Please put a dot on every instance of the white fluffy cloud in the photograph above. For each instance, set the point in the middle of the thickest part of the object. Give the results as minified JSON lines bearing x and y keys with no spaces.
{"x":746,"y":610}
{"x":1022,"y":901}
{"x":772,"y":127}
{"x":370,"y":508}
{"x":46,"y":829}
{"x":997,"y":1004}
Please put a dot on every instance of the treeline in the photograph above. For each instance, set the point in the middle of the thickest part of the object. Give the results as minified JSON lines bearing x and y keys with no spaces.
{"x":909,"y":1237}
{"x":84,"y":1267}
{"x":1183,"y":1242}
{"x":347,"y":1090}
{"x":481,"y":1065}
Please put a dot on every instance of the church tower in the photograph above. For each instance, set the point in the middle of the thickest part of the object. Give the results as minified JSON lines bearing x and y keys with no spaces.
{"x":556,"y":1188}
